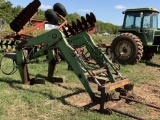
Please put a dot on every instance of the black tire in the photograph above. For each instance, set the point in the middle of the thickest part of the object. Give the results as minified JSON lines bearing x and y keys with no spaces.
{"x":15,"y":26}
{"x":51,"y":16}
{"x":127,"y":49}
{"x":148,"y":57}
{"x":108,"y":50}
{"x":60,"y":9}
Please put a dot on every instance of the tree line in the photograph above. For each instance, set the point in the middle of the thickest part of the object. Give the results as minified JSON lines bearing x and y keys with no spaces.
{"x":8,"y":12}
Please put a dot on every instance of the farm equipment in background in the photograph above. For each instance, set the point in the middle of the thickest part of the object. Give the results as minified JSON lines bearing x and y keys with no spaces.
{"x":21,"y":26}
{"x":139,"y":37}
{"x":67,"y":39}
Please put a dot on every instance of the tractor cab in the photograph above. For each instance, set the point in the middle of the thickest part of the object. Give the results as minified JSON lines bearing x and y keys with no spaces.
{"x":143,"y":22}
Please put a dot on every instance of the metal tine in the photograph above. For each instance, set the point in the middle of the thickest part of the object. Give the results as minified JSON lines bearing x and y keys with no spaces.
{"x":84,"y":22}
{"x":12,"y":42}
{"x":89,"y":19}
{"x":93,"y":17}
{"x":79,"y":24}
{"x":71,"y":30}
{"x":74,"y":26}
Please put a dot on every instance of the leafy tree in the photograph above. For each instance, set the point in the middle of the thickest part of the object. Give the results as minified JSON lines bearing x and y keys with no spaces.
{"x":16,"y":10}
{"x":8,"y":12}
{"x":1,"y":2}
{"x":72,"y":17}
{"x":40,"y":15}
{"x":107,"y":27}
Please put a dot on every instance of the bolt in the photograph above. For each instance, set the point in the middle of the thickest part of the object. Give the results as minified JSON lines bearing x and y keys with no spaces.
{"x":54,"y":36}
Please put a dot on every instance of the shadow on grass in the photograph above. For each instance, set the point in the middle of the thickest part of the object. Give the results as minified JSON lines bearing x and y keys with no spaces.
{"x":12,"y":84}
{"x":37,"y":61}
{"x":149,"y":63}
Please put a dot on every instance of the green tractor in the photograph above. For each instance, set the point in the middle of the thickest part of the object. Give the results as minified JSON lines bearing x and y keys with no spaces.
{"x":139,"y":37}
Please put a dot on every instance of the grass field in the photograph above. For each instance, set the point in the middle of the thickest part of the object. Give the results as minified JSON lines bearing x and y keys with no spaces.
{"x":64,"y":101}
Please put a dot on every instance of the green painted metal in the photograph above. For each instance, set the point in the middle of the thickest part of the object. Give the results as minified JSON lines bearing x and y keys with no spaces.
{"x":56,"y":39}
{"x":84,"y":39}
{"x":147,"y":35}
{"x":22,"y":67}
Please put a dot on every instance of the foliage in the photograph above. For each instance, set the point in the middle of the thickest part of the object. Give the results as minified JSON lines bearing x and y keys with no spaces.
{"x":107,"y":27}
{"x":40,"y":15}
{"x":7,"y":11}
{"x":72,"y":17}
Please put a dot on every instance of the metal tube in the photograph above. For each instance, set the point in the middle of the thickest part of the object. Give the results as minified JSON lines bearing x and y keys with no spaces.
{"x":127,"y":114}
{"x":150,"y":105}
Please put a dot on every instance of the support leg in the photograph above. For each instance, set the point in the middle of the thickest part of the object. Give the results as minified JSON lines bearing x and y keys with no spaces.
{"x":51,"y":67}
{"x":22,"y":67}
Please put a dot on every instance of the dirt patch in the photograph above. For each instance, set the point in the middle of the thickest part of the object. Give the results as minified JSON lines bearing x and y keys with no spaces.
{"x":149,"y":93}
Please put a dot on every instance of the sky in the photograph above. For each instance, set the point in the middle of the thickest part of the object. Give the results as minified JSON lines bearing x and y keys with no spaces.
{"x":104,"y":10}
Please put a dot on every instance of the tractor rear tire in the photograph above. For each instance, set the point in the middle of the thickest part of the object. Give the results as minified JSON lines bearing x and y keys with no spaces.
{"x":126,"y":49}
{"x":108,"y":50}
{"x":148,"y":57}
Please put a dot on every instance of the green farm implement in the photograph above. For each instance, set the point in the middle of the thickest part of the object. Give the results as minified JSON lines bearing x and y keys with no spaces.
{"x":66,"y":40}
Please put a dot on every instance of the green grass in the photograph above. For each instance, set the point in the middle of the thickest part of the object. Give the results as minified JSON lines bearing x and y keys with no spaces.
{"x":102,"y":39}
{"x":47,"y":101}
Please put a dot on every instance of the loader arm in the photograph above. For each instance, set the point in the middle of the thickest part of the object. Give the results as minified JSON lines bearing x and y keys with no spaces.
{"x":51,"y":39}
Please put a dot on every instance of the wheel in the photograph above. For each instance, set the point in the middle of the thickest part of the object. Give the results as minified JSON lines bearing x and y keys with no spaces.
{"x":148,"y":57}
{"x":127,"y":49}
{"x":16,"y":25}
{"x":60,"y":9}
{"x":108,"y":50}
{"x":51,"y":16}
